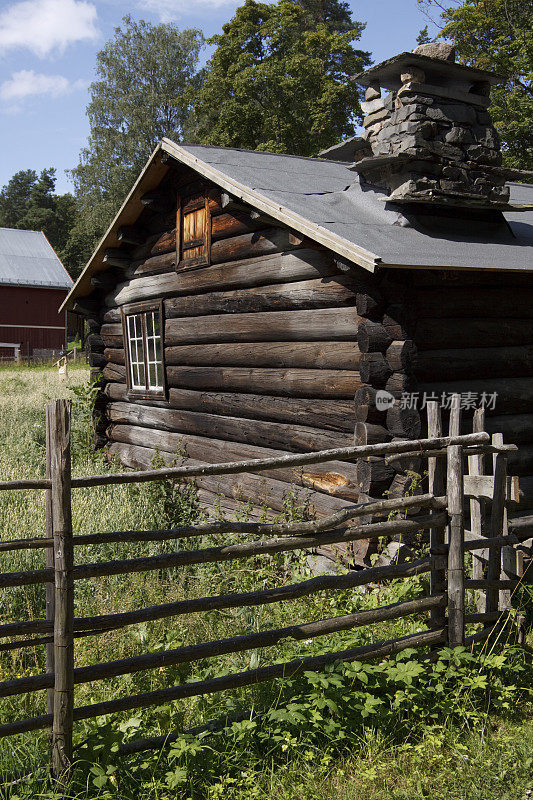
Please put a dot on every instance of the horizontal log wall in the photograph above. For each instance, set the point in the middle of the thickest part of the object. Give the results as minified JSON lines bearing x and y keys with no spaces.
{"x":474,"y":333}
{"x":328,"y":414}
{"x":262,"y":355}
{"x":294,"y":438}
{"x":253,"y":492}
{"x":444,"y":332}
{"x":269,"y":345}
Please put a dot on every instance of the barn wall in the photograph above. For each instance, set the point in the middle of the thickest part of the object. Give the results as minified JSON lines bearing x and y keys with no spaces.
{"x":267,"y":348}
{"x":30,"y":315}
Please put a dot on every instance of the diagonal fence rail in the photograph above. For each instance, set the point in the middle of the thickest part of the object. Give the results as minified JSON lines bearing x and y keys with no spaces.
{"x":438,"y":511}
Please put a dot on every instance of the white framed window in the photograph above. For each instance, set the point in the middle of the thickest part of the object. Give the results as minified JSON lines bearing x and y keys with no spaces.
{"x":143,"y":341}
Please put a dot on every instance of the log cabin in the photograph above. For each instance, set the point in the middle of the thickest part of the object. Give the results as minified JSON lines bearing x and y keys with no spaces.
{"x":244,"y":304}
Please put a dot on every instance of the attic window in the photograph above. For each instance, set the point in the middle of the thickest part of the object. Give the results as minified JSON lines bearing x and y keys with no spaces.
{"x":142,"y":325}
{"x":193,"y":227}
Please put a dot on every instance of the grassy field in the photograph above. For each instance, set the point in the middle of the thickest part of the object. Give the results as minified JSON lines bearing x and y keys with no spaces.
{"x":461,"y":729}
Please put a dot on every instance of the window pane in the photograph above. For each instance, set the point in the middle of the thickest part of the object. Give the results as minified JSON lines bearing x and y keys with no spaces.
{"x":154,"y":354}
{"x":158,"y":351}
{"x":150,"y":324}
{"x":135,"y":350}
{"x":138,"y":351}
{"x":194,"y":230}
{"x":142,"y":376}
{"x":145,"y":352}
{"x":150,"y":346}
{"x":130,"y":327}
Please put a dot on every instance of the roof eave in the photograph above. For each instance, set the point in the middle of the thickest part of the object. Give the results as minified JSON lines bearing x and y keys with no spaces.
{"x":150,"y":177}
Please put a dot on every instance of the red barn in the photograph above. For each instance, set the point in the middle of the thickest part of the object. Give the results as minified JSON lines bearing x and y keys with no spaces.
{"x":33,"y":284}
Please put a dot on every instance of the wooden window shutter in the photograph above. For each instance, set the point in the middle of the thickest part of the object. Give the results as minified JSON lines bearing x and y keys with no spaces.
{"x":193,"y":230}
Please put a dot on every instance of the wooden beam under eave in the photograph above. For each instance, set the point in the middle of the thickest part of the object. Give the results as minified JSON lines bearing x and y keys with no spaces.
{"x":130,"y":211}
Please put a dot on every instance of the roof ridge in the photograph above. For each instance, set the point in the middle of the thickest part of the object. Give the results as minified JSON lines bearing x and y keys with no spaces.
{"x":22,"y":230}
{"x":259,"y":152}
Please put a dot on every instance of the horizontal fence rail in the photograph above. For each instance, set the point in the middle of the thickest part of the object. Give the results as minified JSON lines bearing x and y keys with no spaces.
{"x":226,"y":552}
{"x":258,"y":464}
{"x":234,"y":644}
{"x":374,"y":508}
{"x":433,"y":512}
{"x":293,"y":591}
{"x":287,"y":669}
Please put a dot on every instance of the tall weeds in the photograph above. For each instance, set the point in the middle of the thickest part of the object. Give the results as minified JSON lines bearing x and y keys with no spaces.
{"x":321,"y":735}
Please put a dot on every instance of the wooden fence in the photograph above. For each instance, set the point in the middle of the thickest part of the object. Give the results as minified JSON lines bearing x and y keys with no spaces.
{"x":440,"y":511}
{"x":42,"y":356}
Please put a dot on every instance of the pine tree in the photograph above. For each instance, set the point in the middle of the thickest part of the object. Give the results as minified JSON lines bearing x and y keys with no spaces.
{"x":280,"y":81}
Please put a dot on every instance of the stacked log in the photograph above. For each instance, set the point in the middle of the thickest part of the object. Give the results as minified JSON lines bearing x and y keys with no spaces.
{"x":261,"y":357}
{"x":474,"y":334}
{"x":388,"y":333}
{"x":265,"y":348}
{"x":94,"y":347}
{"x":268,"y":346}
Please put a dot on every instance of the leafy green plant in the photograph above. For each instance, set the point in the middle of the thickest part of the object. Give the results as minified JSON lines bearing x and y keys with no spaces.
{"x":396,"y":729}
{"x":324,"y":716}
{"x":83,"y":397}
{"x":172,"y":502}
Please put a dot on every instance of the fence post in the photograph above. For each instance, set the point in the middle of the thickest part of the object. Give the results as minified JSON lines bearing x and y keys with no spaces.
{"x":454,"y":428}
{"x":498,"y":519}
{"x":476,"y":467}
{"x":60,"y":474}
{"x":50,"y":587}
{"x":437,"y":487}
{"x":509,"y":572}
{"x":456,"y":575}
{"x":456,"y":565}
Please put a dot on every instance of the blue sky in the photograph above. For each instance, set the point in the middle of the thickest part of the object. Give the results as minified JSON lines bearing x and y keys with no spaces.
{"x":47,"y":59}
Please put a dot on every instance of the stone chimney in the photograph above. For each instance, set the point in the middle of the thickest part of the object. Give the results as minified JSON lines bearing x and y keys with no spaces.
{"x":431,"y":138}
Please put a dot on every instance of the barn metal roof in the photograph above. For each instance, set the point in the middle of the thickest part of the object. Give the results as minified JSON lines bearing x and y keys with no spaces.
{"x":330,"y":204}
{"x":28,"y":259}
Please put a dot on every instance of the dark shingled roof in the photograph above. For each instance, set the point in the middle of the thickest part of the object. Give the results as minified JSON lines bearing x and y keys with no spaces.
{"x":333,"y":197}
{"x":28,"y":259}
{"x":330,"y":204}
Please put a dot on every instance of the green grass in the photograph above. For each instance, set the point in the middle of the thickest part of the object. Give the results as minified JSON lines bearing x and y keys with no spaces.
{"x":474,"y":749}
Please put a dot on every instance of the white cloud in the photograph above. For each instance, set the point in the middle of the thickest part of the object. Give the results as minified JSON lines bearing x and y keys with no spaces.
{"x":44,"y":26}
{"x":168,"y":10}
{"x":26,"y":83}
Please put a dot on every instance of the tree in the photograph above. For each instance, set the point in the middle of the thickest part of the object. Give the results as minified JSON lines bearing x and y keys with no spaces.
{"x":146,"y":76}
{"x":334,"y":14}
{"x":497,"y":35}
{"x":15,"y":196}
{"x":29,"y":202}
{"x":280,"y":81}
{"x":423,"y":36}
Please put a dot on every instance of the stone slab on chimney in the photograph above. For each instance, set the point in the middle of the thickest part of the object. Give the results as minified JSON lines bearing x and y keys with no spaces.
{"x":431,"y":137}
